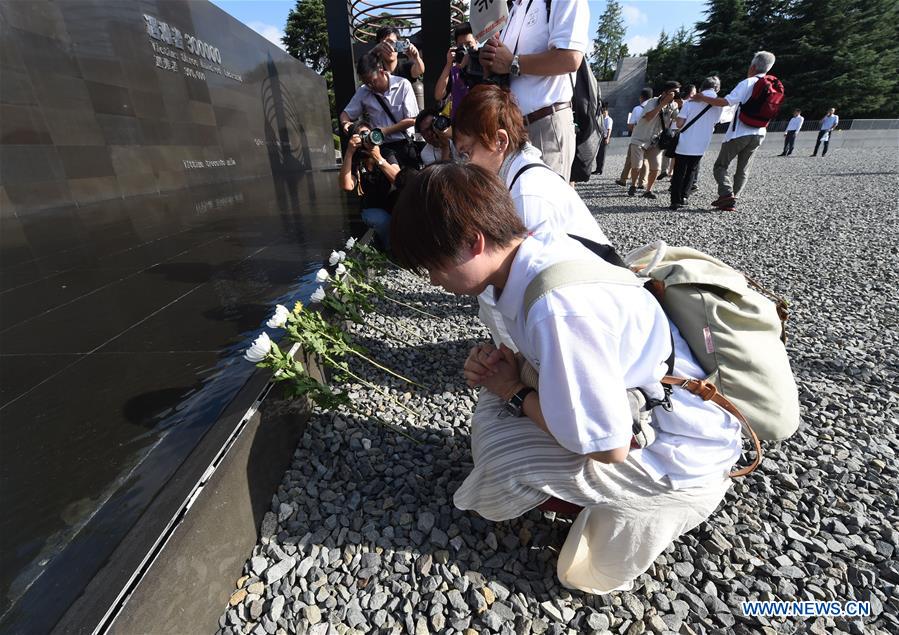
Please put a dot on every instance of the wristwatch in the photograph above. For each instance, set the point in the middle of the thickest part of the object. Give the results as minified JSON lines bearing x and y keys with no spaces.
{"x":514,"y":406}
{"x":515,"y":67}
{"x":381,"y":161}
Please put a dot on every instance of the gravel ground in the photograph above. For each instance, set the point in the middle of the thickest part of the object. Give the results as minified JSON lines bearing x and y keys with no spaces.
{"x":362,"y":536}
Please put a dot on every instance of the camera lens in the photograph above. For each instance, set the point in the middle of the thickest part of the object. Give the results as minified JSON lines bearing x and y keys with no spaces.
{"x":460,"y":54}
{"x":376,"y":137}
{"x":441,"y":123}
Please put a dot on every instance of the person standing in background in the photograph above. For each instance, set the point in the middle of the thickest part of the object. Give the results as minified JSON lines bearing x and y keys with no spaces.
{"x":742,"y":139}
{"x":828,"y":124}
{"x":605,"y":125}
{"x":696,"y":121}
{"x":793,"y":129}
{"x":636,"y":113}
{"x":411,"y":68}
{"x":541,"y":45}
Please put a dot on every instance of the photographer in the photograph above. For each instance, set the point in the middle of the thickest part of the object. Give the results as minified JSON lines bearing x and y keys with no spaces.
{"x":540,"y":46}
{"x":658,"y":113}
{"x":438,"y":138}
{"x":370,"y":172}
{"x":451,"y":83}
{"x":388,"y":38}
{"x":388,"y":103}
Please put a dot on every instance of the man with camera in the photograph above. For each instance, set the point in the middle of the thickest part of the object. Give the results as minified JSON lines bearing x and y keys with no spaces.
{"x":437,"y":132}
{"x":388,"y":102}
{"x":451,"y":85}
{"x":390,"y":47}
{"x":540,"y":46}
{"x":636,"y":113}
{"x":658,"y":113}
{"x":371,"y":173}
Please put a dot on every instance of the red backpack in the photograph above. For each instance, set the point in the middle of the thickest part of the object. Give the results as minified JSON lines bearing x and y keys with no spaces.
{"x":763,"y":104}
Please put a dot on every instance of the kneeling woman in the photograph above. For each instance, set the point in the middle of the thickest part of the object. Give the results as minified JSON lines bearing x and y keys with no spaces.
{"x":590,"y":342}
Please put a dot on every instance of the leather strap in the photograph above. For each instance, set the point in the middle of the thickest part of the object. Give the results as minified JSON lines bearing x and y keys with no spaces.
{"x":708,"y":392}
{"x":546,"y":111}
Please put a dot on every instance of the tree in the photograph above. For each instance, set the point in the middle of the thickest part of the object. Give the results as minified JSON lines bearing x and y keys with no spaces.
{"x":306,"y":35}
{"x":607,"y":46}
{"x":306,"y":38}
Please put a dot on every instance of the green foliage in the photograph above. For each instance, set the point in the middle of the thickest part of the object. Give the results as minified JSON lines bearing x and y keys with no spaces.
{"x":306,"y":38}
{"x":839,"y":53}
{"x":608,"y":46}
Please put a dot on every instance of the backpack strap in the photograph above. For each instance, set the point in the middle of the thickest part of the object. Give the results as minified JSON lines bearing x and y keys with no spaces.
{"x":694,"y":119}
{"x":708,"y":392}
{"x":527,"y":167}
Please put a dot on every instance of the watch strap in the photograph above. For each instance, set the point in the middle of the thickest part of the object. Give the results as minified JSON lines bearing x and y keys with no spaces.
{"x":515,"y":404}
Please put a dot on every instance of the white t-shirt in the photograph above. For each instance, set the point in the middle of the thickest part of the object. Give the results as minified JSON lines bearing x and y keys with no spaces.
{"x":739,"y":95}
{"x":829,"y":122}
{"x":545,"y":204}
{"x":606,"y":125}
{"x":695,"y":141}
{"x":591,"y":342}
{"x":636,"y":113}
{"x":432,"y":154}
{"x":796,"y":123}
{"x":568,"y":28}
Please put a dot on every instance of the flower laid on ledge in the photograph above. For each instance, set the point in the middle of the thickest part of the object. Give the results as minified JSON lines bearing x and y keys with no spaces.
{"x":318,"y":295}
{"x":336,"y":256}
{"x":261,"y":347}
{"x":315,"y":335}
{"x":322,"y":276}
{"x":350,"y":242}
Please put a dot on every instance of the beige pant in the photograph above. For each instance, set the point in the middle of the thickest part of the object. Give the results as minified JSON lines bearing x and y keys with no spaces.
{"x":628,"y":518}
{"x":554,"y":137}
{"x":626,"y":172}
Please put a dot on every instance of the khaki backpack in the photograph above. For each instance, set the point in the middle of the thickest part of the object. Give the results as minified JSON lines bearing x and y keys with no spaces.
{"x":735,"y":332}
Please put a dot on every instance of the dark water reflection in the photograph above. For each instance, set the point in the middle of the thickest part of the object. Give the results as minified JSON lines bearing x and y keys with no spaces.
{"x":121,"y":329}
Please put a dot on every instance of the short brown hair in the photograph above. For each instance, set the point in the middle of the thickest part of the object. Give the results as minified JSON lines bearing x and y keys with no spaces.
{"x":484,"y":111}
{"x":443,"y":208}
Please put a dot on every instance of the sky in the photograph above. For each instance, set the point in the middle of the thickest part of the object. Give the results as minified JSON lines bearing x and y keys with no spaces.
{"x":644,"y":19}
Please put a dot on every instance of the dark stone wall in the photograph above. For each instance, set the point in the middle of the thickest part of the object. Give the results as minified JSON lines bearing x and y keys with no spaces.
{"x":105,"y":99}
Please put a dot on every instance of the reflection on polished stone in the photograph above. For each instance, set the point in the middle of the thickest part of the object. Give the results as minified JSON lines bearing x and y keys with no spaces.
{"x":161,"y":188}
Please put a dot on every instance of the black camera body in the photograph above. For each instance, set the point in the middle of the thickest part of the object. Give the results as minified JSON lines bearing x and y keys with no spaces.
{"x":474,"y":74}
{"x":441,"y":123}
{"x":370,"y":138}
{"x":459,"y":54}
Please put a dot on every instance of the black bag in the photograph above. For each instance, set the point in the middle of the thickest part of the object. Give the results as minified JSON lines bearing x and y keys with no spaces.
{"x":406,"y":152}
{"x":585,"y":105}
{"x":667,"y":139}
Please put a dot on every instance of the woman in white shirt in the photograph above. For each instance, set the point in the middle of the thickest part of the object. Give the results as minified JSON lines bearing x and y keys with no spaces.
{"x":590,"y":342}
{"x":488,"y":129}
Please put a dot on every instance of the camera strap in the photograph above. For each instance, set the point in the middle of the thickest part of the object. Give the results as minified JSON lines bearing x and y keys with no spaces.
{"x":526,"y":10}
{"x":387,"y":110}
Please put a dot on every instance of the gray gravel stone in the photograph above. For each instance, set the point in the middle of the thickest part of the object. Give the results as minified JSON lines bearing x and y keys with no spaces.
{"x":366,"y":515}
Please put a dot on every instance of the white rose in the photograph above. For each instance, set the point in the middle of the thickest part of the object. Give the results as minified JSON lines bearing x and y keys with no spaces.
{"x":334,"y":258}
{"x":340,"y":270}
{"x":350,"y":242}
{"x":322,"y":275}
{"x":342,"y":255}
{"x":260,"y":348}
{"x":318,"y":295}
{"x":279,"y":319}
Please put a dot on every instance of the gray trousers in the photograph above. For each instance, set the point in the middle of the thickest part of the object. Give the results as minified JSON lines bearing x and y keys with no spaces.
{"x":741,"y":149}
{"x":554,"y":137}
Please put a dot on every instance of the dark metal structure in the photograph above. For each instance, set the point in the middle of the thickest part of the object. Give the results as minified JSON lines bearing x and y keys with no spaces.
{"x":351,"y":31}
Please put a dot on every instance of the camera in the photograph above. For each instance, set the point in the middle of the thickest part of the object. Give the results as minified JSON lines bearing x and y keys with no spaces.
{"x":473,"y":74}
{"x":459,"y":54}
{"x":401,"y":46}
{"x":441,"y":123}
{"x":370,"y":138}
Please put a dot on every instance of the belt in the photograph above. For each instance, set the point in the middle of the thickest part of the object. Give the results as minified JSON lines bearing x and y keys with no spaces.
{"x":546,"y":111}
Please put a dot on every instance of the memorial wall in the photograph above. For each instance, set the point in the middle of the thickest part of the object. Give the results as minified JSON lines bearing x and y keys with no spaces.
{"x":163,"y":183}
{"x":118,"y":98}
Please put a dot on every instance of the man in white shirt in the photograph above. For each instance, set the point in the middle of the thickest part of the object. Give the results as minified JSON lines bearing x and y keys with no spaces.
{"x":605,"y":126}
{"x":389,"y":103}
{"x":827,"y":126}
{"x":793,"y":129}
{"x":696,"y":121}
{"x":741,"y":140}
{"x":541,"y":45}
{"x":636,"y":113}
